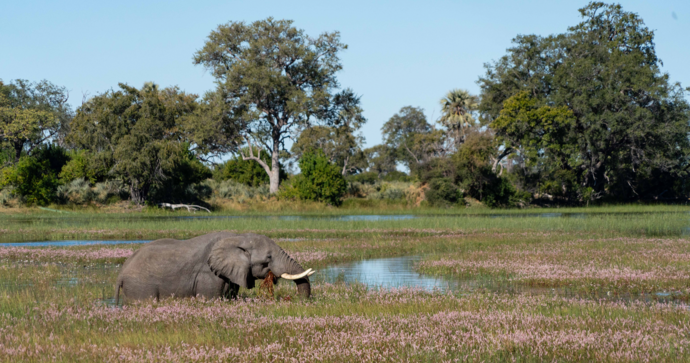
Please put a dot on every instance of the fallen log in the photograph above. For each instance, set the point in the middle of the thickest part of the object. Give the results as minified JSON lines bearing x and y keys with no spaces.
{"x":190,"y":207}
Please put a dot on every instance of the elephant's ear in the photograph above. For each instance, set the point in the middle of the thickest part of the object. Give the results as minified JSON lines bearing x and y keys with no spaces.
{"x":230,"y":261}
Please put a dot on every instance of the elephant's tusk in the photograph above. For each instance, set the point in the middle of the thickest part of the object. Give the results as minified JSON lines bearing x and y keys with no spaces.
{"x":311,"y":273}
{"x":299,"y":276}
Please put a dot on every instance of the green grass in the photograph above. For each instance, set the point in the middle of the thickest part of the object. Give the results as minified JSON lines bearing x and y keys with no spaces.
{"x":53,"y":301}
{"x":640,"y":221}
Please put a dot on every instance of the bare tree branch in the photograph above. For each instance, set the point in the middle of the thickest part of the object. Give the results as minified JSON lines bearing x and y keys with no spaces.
{"x":255,"y":158}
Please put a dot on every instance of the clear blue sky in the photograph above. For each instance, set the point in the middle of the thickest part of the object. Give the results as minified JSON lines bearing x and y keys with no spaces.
{"x":400,"y":52}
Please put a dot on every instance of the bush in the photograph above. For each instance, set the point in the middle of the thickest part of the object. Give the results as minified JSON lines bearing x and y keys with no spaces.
{"x":372,"y":177}
{"x":368,"y":177}
{"x":32,"y":179}
{"x":319,"y":180}
{"x":78,"y":191}
{"x":6,"y":156}
{"x":54,"y":156}
{"x":182,"y":180}
{"x":238,"y":192}
{"x":397,"y":175}
{"x":8,"y":197}
{"x":110,"y":191}
{"x":443,"y":192}
{"x":83,"y":166}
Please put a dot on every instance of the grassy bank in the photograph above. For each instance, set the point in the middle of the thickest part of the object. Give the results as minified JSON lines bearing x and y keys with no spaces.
{"x":609,"y":221}
{"x":352,"y":206}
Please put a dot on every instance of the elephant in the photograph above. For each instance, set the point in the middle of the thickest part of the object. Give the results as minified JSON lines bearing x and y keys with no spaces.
{"x":213,"y":265}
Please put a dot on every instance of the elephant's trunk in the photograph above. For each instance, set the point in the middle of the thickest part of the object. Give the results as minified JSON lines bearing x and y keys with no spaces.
{"x":296,"y":273}
{"x":303,"y":287}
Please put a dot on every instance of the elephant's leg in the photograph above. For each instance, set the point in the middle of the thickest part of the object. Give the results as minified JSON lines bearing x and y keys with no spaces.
{"x":209,"y":285}
{"x":135,"y":290}
{"x":231,"y":291}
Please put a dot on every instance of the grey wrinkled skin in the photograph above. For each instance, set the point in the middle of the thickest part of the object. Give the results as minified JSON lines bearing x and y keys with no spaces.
{"x":212,"y":265}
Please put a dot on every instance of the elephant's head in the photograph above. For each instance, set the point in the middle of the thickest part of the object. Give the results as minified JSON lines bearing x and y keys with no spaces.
{"x":244,"y":258}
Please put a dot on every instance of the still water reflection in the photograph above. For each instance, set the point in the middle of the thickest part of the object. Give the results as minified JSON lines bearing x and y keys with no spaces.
{"x":385,"y":273}
{"x":89,"y":220}
{"x":70,"y":243}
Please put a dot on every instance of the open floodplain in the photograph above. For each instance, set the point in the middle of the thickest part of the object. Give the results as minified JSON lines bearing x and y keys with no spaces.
{"x":598,"y":284}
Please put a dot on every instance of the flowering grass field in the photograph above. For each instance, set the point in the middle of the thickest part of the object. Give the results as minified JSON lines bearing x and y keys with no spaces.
{"x":613,"y":265}
{"x":626,"y":298}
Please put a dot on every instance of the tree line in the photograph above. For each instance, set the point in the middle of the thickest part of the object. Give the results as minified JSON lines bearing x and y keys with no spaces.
{"x":572,"y":118}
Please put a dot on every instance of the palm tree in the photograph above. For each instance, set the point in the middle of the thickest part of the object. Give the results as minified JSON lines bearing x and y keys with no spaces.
{"x":456,"y":116}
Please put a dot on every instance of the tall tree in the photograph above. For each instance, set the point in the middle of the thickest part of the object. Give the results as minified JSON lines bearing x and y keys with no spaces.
{"x":339,"y":142}
{"x":340,"y":147}
{"x":272,"y":77}
{"x":412,"y":138}
{"x":380,"y":159}
{"x":629,"y":132}
{"x":456,"y":117}
{"x":143,"y":136}
{"x":31,"y":114}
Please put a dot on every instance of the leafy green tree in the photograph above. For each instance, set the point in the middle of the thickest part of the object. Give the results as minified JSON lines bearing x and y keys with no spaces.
{"x":81,"y":165}
{"x":469,"y":172}
{"x":32,"y":180}
{"x":625,"y":132}
{"x":340,"y":147}
{"x":141,"y":137}
{"x":473,"y":174}
{"x":272,"y":77}
{"x":31,"y":114}
{"x":6,"y":156}
{"x":457,"y":108}
{"x":319,"y":179}
{"x":413,"y":140}
{"x":381,"y":160}
{"x":246,"y":172}
{"x":35,"y":177}
{"x":183,"y":174}
{"x":338,"y":141}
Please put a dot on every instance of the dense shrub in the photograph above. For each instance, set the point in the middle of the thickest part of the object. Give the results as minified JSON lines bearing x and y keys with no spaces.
{"x":78,"y":191}
{"x":394,"y":191}
{"x":6,"y":156}
{"x":367,"y":177}
{"x":319,"y":179}
{"x":372,"y":177}
{"x":238,"y":192}
{"x":110,"y":191}
{"x":55,"y":157}
{"x":8,"y":197}
{"x":396,"y":175}
{"x":83,"y":165}
{"x":443,"y":192}
{"x":31,"y":179}
{"x":181,"y":180}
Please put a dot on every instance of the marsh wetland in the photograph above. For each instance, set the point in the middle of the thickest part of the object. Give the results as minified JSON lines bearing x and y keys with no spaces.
{"x":610,"y":286}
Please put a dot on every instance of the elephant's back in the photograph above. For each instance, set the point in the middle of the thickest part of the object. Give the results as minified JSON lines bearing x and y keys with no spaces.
{"x":164,"y":258}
